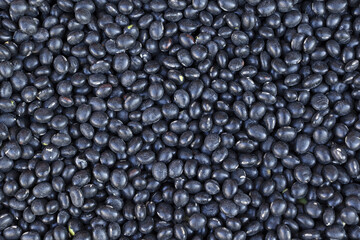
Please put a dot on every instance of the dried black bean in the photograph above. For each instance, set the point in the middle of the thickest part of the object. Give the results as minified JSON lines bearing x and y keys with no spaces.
{"x":179,"y":119}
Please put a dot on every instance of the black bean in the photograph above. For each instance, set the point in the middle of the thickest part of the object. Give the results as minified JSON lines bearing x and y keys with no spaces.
{"x":151,"y":115}
{"x":283,"y":232}
{"x":76,"y":196}
{"x":43,"y":115}
{"x":12,"y":150}
{"x":351,"y":140}
{"x":336,"y":6}
{"x":349,"y":216}
{"x":229,"y":208}
{"x":61,"y":64}
{"x":156,"y":30}
{"x":108,"y":213}
{"x":101,"y":173}
{"x":124,"y":41}
{"x":335,"y":231}
{"x":42,"y":190}
{"x":118,"y":179}
{"x":5,"y":220}
{"x":159,"y":171}
{"x":12,"y":232}
{"x":266,"y":8}
{"x":197,"y":221}
{"x":30,"y":235}
{"x":145,"y":157}
{"x":257,"y":132}
{"x":253,"y":228}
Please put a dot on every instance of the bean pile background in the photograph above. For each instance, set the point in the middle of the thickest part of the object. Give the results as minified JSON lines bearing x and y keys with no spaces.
{"x":179,"y":119}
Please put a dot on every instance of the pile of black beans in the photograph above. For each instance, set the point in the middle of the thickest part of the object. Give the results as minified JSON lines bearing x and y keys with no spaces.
{"x":179,"y":119}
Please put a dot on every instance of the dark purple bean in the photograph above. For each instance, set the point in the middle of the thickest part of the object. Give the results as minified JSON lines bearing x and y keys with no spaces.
{"x":131,"y":119}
